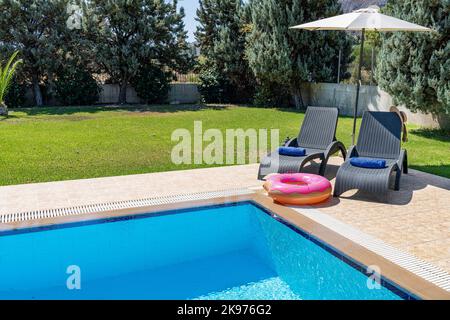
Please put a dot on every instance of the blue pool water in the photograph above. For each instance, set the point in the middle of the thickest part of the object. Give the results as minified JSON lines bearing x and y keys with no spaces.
{"x":235,"y":251}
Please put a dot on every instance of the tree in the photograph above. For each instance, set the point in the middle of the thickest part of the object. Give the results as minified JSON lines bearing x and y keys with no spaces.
{"x":414,"y":67}
{"x":221,"y":38}
{"x":128,"y":34}
{"x":285,"y":57}
{"x":37,"y":29}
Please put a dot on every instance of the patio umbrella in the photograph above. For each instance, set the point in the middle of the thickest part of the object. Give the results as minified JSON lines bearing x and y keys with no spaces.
{"x":362,"y":20}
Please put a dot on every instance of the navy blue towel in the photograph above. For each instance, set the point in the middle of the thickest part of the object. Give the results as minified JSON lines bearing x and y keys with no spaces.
{"x":368,"y":163}
{"x":291,"y":151}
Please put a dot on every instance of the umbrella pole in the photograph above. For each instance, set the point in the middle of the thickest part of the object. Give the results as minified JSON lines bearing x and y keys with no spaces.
{"x":358,"y":85}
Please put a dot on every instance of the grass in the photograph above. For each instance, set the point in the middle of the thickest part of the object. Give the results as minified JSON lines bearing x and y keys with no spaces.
{"x":48,"y":144}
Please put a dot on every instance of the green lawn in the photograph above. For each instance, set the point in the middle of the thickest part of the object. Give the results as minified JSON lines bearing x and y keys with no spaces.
{"x":50,"y":144}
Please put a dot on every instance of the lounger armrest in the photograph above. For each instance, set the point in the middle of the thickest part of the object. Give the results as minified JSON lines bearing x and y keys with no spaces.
{"x":352,"y":152}
{"x":334,"y":147}
{"x":291,"y":143}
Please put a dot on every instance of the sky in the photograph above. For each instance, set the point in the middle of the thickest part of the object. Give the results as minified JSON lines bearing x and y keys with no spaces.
{"x":190,"y":8}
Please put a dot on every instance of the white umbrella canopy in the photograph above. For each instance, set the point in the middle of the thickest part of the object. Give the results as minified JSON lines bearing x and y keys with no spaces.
{"x":368,"y":19}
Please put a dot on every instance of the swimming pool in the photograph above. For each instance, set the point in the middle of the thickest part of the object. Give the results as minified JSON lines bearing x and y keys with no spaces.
{"x":233,"y":251}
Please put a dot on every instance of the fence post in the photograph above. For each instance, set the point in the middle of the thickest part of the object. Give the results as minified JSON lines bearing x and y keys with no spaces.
{"x":339,"y":67}
{"x":371,"y":67}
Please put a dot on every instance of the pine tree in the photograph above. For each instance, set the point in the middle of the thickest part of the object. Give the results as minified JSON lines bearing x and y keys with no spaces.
{"x":221,"y":38}
{"x":126,"y":35}
{"x":280,"y":56}
{"x":414,"y":67}
{"x":37,"y":28}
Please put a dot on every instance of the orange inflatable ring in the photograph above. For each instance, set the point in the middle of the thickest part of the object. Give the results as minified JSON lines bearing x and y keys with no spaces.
{"x":298,"y":188}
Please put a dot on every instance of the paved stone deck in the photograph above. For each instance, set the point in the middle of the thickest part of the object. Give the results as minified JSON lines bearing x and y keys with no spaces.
{"x":415,"y":219}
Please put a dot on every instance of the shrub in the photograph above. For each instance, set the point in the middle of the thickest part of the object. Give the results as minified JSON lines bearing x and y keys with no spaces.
{"x":76,"y":86}
{"x":152,"y":84}
{"x":15,"y":97}
{"x":271,"y":95}
{"x":214,"y":88}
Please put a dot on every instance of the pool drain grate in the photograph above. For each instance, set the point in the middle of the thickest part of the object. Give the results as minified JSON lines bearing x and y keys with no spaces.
{"x":128,"y":204}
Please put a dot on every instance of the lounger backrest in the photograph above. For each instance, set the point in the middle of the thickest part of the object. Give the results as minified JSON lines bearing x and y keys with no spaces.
{"x":379,"y":136}
{"x":319,"y":127}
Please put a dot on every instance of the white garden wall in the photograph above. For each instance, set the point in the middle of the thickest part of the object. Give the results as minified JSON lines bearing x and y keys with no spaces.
{"x":372,"y":98}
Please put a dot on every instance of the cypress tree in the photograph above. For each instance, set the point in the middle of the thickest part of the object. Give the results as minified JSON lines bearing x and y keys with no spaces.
{"x":221,"y":38}
{"x":285,"y":57}
{"x":414,"y":67}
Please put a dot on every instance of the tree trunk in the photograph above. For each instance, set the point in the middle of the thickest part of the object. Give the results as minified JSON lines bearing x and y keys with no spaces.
{"x":37,"y":92}
{"x":297,"y":96}
{"x":123,"y":92}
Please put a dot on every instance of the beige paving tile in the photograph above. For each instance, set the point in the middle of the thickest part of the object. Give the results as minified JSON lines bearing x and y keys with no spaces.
{"x":437,"y":250}
{"x":443,"y":264}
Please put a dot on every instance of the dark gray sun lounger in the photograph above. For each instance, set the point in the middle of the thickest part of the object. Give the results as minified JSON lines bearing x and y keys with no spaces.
{"x":317,"y":135}
{"x":380,"y":138}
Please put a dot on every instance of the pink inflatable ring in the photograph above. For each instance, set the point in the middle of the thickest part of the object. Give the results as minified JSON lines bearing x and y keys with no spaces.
{"x":298,"y":188}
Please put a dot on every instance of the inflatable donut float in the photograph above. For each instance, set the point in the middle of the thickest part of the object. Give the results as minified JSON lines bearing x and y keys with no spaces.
{"x":298,"y":188}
